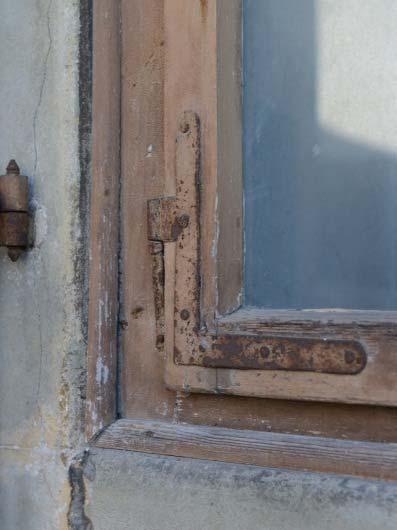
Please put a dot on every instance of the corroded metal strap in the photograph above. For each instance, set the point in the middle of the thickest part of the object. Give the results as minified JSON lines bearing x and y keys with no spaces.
{"x":286,"y":353}
{"x":177,"y":219}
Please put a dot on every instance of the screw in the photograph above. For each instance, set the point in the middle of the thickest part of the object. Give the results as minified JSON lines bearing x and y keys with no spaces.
{"x":265,"y":352}
{"x":184,"y":127}
{"x":184,"y":314}
{"x":350,"y":357}
{"x":183,"y":220}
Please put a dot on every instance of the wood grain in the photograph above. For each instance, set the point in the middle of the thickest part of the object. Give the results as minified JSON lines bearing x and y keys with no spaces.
{"x":104,"y":225}
{"x":264,"y":449}
{"x":332,"y":420}
{"x":230,"y":163}
{"x":142,"y":153}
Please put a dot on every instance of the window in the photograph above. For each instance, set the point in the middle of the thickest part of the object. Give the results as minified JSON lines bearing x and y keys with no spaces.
{"x":318,"y":220}
{"x":319,"y":167}
{"x":238,"y":344}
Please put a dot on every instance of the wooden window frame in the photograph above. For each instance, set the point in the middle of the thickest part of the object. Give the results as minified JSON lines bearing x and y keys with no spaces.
{"x":103,"y":428}
{"x":202,"y":75}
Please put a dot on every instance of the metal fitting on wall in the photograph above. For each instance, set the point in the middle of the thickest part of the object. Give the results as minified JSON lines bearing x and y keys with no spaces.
{"x":14,"y":211}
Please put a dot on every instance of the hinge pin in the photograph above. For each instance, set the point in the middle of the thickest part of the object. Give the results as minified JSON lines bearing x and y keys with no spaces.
{"x":14,"y":211}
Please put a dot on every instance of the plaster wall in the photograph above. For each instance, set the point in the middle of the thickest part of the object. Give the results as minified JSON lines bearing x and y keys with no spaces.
{"x":42,"y":344}
{"x":157,"y":493}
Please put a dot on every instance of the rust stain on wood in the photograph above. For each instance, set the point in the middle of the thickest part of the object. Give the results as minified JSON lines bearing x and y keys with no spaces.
{"x":204,"y":9}
{"x":137,"y":312}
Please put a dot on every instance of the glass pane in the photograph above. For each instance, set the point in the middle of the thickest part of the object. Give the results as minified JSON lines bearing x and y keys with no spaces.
{"x":320,"y":153}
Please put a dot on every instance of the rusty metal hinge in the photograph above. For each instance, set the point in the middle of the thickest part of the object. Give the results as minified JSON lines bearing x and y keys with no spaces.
{"x":165,"y":224}
{"x":165,"y":221}
{"x":177,"y":218}
{"x":14,"y":211}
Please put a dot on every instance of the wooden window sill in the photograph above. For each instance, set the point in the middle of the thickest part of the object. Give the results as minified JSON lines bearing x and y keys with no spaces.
{"x":305,"y":453}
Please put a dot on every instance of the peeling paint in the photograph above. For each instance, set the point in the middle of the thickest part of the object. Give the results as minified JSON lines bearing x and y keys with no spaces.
{"x":102,"y":372}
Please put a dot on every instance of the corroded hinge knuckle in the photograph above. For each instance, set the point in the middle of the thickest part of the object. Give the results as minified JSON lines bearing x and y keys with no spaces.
{"x":162,"y":225}
{"x":14,"y":214}
{"x":165,"y":221}
{"x":168,"y":217}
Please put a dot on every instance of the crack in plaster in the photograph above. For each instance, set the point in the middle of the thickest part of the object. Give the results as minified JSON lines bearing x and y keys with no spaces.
{"x":77,"y":518}
{"x":42,"y":87}
{"x":36,"y":160}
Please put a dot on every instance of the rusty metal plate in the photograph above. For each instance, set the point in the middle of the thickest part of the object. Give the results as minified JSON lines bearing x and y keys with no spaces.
{"x":285,"y":353}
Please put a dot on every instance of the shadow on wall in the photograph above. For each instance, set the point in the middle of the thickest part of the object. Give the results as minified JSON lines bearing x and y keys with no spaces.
{"x":320,"y":208}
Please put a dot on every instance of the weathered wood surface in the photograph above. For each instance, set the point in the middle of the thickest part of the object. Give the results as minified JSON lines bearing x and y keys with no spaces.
{"x":142,"y":153}
{"x":330,"y":420}
{"x":104,"y":220}
{"x":229,"y":257}
{"x":264,"y":449}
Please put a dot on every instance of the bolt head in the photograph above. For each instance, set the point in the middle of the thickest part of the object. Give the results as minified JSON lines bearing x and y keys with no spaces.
{"x":185,"y":314}
{"x":184,"y":127}
{"x":350,"y":357}
{"x":183,"y":220}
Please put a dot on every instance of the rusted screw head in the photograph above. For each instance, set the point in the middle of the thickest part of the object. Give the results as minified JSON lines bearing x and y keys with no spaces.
{"x":183,"y":220}
{"x":160,"y":341}
{"x":184,"y":127}
{"x":185,"y":314}
{"x":350,"y":357}
{"x":265,"y":352}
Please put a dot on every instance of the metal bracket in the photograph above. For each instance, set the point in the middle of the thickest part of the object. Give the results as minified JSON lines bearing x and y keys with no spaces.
{"x":164,"y":222}
{"x":177,"y":219}
{"x":14,"y":214}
